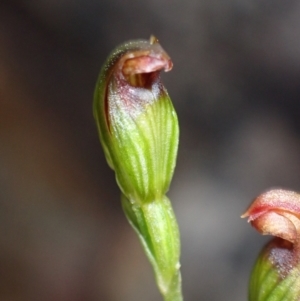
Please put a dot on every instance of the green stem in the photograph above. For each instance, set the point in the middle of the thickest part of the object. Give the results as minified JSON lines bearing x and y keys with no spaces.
{"x":156,"y":226}
{"x":175,"y":292}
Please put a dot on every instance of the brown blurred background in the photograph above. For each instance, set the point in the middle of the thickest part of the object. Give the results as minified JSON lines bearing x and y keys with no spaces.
{"x":235,"y":85}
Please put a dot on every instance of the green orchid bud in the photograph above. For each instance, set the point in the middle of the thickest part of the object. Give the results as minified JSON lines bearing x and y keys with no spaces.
{"x":276,"y":273}
{"x":136,"y":120}
{"x":138,"y":130}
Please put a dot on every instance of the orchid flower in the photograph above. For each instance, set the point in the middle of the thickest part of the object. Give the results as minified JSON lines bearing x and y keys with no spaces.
{"x":276,"y":273}
{"x":138,"y":130}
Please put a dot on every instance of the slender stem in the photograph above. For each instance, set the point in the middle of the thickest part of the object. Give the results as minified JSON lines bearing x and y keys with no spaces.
{"x":156,"y":226}
{"x":175,"y":292}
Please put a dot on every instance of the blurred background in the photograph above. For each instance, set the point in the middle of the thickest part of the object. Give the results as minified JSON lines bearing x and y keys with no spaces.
{"x":235,"y":86}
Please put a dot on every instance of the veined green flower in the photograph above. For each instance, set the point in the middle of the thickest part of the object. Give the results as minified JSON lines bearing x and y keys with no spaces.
{"x":276,"y":273}
{"x":136,"y":120}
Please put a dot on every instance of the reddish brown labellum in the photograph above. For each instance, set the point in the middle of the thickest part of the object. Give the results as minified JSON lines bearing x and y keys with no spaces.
{"x":277,"y":213}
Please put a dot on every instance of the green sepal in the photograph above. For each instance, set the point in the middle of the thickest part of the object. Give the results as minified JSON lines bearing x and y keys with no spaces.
{"x":144,"y":149}
{"x":273,"y":278}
